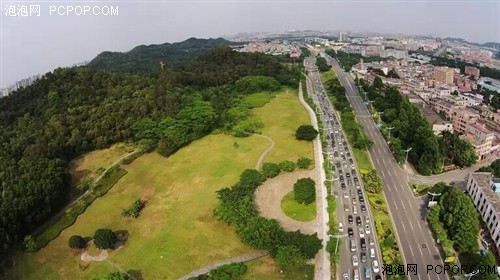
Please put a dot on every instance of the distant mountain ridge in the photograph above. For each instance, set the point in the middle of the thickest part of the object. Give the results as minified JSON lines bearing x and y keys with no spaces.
{"x":147,"y":58}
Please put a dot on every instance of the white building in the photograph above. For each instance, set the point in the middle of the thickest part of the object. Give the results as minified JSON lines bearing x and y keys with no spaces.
{"x":484,"y":191}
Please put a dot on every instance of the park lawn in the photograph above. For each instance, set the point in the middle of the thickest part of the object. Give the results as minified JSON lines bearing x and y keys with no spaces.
{"x":175,"y":233}
{"x":264,"y":268}
{"x":325,"y":76}
{"x":259,"y":99}
{"x":297,"y":211}
{"x":362,"y":160}
{"x":281,"y":117}
{"x":87,"y":165}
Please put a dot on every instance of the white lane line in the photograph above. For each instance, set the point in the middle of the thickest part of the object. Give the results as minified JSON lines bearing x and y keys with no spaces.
{"x":403,"y":223}
{"x":396,"y":206}
{"x":383,"y":160}
{"x":419,"y":226}
{"x":402,"y":204}
{"x":421,"y":253}
{"x":411,"y":250}
{"x":411,"y":225}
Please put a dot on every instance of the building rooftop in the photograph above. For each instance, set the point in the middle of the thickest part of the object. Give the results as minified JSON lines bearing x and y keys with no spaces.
{"x":483,"y":181}
{"x":430,"y":115}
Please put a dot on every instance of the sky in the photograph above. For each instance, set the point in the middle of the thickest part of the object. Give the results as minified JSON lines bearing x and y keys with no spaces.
{"x":32,"y":44}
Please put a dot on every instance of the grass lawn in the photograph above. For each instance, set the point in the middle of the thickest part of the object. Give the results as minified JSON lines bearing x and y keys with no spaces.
{"x":259,"y":99}
{"x":175,"y":233}
{"x":281,"y":117}
{"x":419,"y":189}
{"x":362,"y":159}
{"x":325,"y":76}
{"x":297,"y":211}
{"x":264,"y":268}
{"x":86,"y":166}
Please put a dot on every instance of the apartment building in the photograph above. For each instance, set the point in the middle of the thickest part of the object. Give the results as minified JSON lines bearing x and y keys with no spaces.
{"x":447,"y":108}
{"x":462,"y":117}
{"x":444,"y":75}
{"x":472,"y":71}
{"x":481,"y":139}
{"x":484,"y":190}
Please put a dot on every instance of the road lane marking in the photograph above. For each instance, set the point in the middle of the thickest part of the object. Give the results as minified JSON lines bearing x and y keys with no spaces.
{"x":402,"y":204}
{"x":396,"y":206}
{"x":411,"y":250}
{"x":411,"y":225}
{"x":383,"y":160}
{"x":402,"y":223}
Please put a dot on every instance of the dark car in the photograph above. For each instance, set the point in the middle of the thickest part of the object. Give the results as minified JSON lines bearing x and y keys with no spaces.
{"x":349,"y":183}
{"x":350,"y":161}
{"x":355,"y":178}
{"x":361,"y":199}
{"x":359,"y":192}
{"x":348,"y":154}
{"x":363,"y":244}
{"x":364,"y":258}
{"x":350,"y":232}
{"x":350,"y":219}
{"x":340,"y":171}
{"x":341,"y":178}
{"x":342,"y":185}
{"x":335,"y":154}
{"x":348,"y":175}
{"x":337,"y":164}
{"x":378,"y":277}
{"x":363,"y":208}
{"x":346,"y":149}
{"x":358,"y":221}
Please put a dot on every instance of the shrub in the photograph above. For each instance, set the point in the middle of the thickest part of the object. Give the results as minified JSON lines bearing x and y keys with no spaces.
{"x":306,"y":132}
{"x":30,"y":244}
{"x":304,"y":163}
{"x":270,"y":169}
{"x":304,"y":190}
{"x":105,"y":238}
{"x":287,"y":166}
{"x":77,"y":242}
{"x":135,"y":209}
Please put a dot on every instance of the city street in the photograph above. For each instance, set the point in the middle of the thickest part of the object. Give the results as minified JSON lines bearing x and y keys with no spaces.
{"x":408,"y":214}
{"x":362,"y":258}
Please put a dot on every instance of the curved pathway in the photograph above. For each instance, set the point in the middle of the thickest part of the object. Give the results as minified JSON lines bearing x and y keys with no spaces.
{"x":264,"y":154}
{"x":206,"y":269}
{"x":269,"y":195}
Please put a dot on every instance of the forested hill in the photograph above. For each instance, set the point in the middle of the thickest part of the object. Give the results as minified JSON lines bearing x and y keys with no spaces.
{"x":75,"y":110}
{"x":146,"y":59}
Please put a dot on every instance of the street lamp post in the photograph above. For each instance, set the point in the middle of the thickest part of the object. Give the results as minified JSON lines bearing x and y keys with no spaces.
{"x":407,"y":151}
{"x":389,"y":138}
{"x":433,"y":195}
{"x":379,"y":118}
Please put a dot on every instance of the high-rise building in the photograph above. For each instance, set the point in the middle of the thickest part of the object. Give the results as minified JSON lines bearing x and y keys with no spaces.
{"x":444,"y":75}
{"x":342,"y":36}
{"x":472,"y":71}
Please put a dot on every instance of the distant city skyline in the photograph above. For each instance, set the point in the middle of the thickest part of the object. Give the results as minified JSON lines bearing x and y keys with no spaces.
{"x":32,"y":45}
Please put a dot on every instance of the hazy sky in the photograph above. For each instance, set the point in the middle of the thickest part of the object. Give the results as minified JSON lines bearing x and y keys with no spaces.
{"x":32,"y":44}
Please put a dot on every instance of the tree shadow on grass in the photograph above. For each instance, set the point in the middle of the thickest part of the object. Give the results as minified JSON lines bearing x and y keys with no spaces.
{"x":136,"y":274}
{"x":122,"y":237}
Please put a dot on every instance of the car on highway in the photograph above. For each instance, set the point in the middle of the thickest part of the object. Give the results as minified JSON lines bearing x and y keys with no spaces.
{"x":363,"y":209}
{"x":376,"y":269}
{"x":346,"y":194}
{"x":346,"y":208}
{"x":356,"y":274}
{"x":345,"y":276}
{"x":342,"y":186}
{"x":349,"y":219}
{"x":371,"y":241}
{"x":336,"y":194}
{"x":353,"y":245}
{"x":378,"y":277}
{"x":364,"y":258}
{"x":367,"y":229}
{"x":355,"y":260}
{"x":367,"y":220}
{"x":341,"y":227}
{"x":360,"y":192}
{"x":361,"y":233}
{"x":354,"y":202}
{"x":372,"y":253}
{"x":354,"y":210}
{"x":351,"y":193}
{"x":349,"y":183}
{"x":361,"y":199}
{"x":341,"y":178}
{"x":350,"y":232}
{"x":358,"y":221}
{"x":368,"y":272}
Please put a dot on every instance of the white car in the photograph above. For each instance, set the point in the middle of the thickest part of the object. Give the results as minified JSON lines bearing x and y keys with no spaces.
{"x":367,"y":229}
{"x":361,"y":233}
{"x":355,"y":260}
{"x":341,"y":227}
{"x":376,"y":269}
{"x":367,"y":220}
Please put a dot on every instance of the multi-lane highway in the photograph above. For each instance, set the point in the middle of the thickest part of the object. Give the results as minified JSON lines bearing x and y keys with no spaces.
{"x":408,"y":213}
{"x":359,"y":251}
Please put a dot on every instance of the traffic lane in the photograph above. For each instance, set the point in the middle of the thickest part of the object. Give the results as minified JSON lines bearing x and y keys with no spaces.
{"x":422,"y":237}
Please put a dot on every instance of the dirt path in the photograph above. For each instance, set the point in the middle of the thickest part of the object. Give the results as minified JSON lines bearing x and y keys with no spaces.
{"x":264,"y":154}
{"x":206,"y":269}
{"x":268,"y":199}
{"x":99,"y":258}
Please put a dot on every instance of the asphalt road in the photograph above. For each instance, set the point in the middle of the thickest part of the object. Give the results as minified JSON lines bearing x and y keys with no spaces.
{"x":348,"y":199}
{"x":408,"y":214}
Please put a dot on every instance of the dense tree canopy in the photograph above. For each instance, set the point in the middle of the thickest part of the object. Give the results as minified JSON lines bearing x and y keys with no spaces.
{"x":75,"y":110}
{"x":304,"y":190}
{"x":306,"y":132}
{"x":456,"y":150}
{"x":105,"y":238}
{"x":322,"y":64}
{"x":494,"y":168}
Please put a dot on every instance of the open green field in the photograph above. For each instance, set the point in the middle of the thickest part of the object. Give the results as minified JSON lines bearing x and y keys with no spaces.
{"x":281,"y":117}
{"x":362,"y":159}
{"x":86,"y":166}
{"x":325,"y":76}
{"x":176,"y":232}
{"x":259,"y":99}
{"x":297,"y":211}
{"x":265,"y":268}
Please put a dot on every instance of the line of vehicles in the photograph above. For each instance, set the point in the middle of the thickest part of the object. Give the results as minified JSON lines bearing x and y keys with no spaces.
{"x":358,"y":227}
